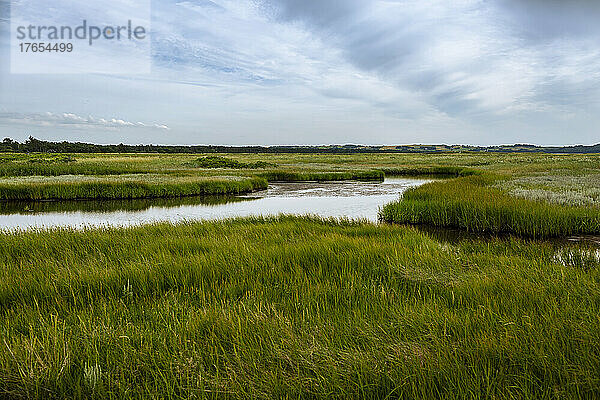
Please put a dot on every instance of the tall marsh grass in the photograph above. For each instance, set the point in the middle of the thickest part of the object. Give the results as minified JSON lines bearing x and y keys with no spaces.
{"x":69,"y":187}
{"x":439,"y":171}
{"x":472,"y":203}
{"x":292,"y":308}
{"x":56,"y":165}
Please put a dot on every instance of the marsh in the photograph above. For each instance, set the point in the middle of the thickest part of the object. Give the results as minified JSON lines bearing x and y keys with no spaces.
{"x":356,"y":200}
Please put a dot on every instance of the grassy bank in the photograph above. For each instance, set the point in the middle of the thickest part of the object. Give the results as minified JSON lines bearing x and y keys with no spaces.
{"x":475,"y":204}
{"x":293,"y":308}
{"x":293,"y":176}
{"x":435,"y":171}
{"x":69,"y":187}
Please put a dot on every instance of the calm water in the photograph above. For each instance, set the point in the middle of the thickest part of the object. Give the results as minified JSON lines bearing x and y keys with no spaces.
{"x":335,"y":199}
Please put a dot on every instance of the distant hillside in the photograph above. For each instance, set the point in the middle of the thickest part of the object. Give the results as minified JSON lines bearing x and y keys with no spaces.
{"x":34,"y":145}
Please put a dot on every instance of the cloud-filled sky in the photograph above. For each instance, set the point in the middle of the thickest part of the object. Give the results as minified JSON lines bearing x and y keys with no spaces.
{"x":324,"y":71}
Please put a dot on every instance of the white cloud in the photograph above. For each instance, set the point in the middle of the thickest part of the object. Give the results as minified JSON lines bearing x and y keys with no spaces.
{"x":49,"y":119}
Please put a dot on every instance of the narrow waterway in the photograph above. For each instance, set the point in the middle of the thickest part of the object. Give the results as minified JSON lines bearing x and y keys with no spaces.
{"x":357,"y":200}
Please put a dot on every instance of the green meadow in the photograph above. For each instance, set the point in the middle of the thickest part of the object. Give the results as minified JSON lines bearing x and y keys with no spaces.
{"x":297,"y":307}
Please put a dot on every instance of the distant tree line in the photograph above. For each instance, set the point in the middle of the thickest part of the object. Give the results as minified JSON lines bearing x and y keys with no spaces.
{"x":33,"y":145}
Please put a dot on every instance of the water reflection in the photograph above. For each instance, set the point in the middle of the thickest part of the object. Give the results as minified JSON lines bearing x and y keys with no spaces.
{"x":32,"y":207}
{"x":581,"y":252}
{"x":359,"y":200}
{"x":457,"y":236}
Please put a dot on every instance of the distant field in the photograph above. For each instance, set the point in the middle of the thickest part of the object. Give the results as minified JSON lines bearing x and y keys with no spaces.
{"x":294,"y":307}
{"x":12,"y":164}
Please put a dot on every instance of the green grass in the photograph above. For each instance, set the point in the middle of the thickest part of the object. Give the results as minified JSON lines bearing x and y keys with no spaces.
{"x":60,"y":164}
{"x":293,"y":308}
{"x":68,"y":187}
{"x":56,"y":169}
{"x":224,"y":162}
{"x":474,"y":204}
{"x":292,"y":176}
{"x":436,"y":171}
{"x":37,"y":158}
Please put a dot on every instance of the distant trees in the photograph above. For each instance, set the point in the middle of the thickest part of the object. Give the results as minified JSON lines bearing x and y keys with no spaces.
{"x":33,"y":145}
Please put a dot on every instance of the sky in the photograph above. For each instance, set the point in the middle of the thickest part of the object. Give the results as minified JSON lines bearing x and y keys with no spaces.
{"x":310,"y":72}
